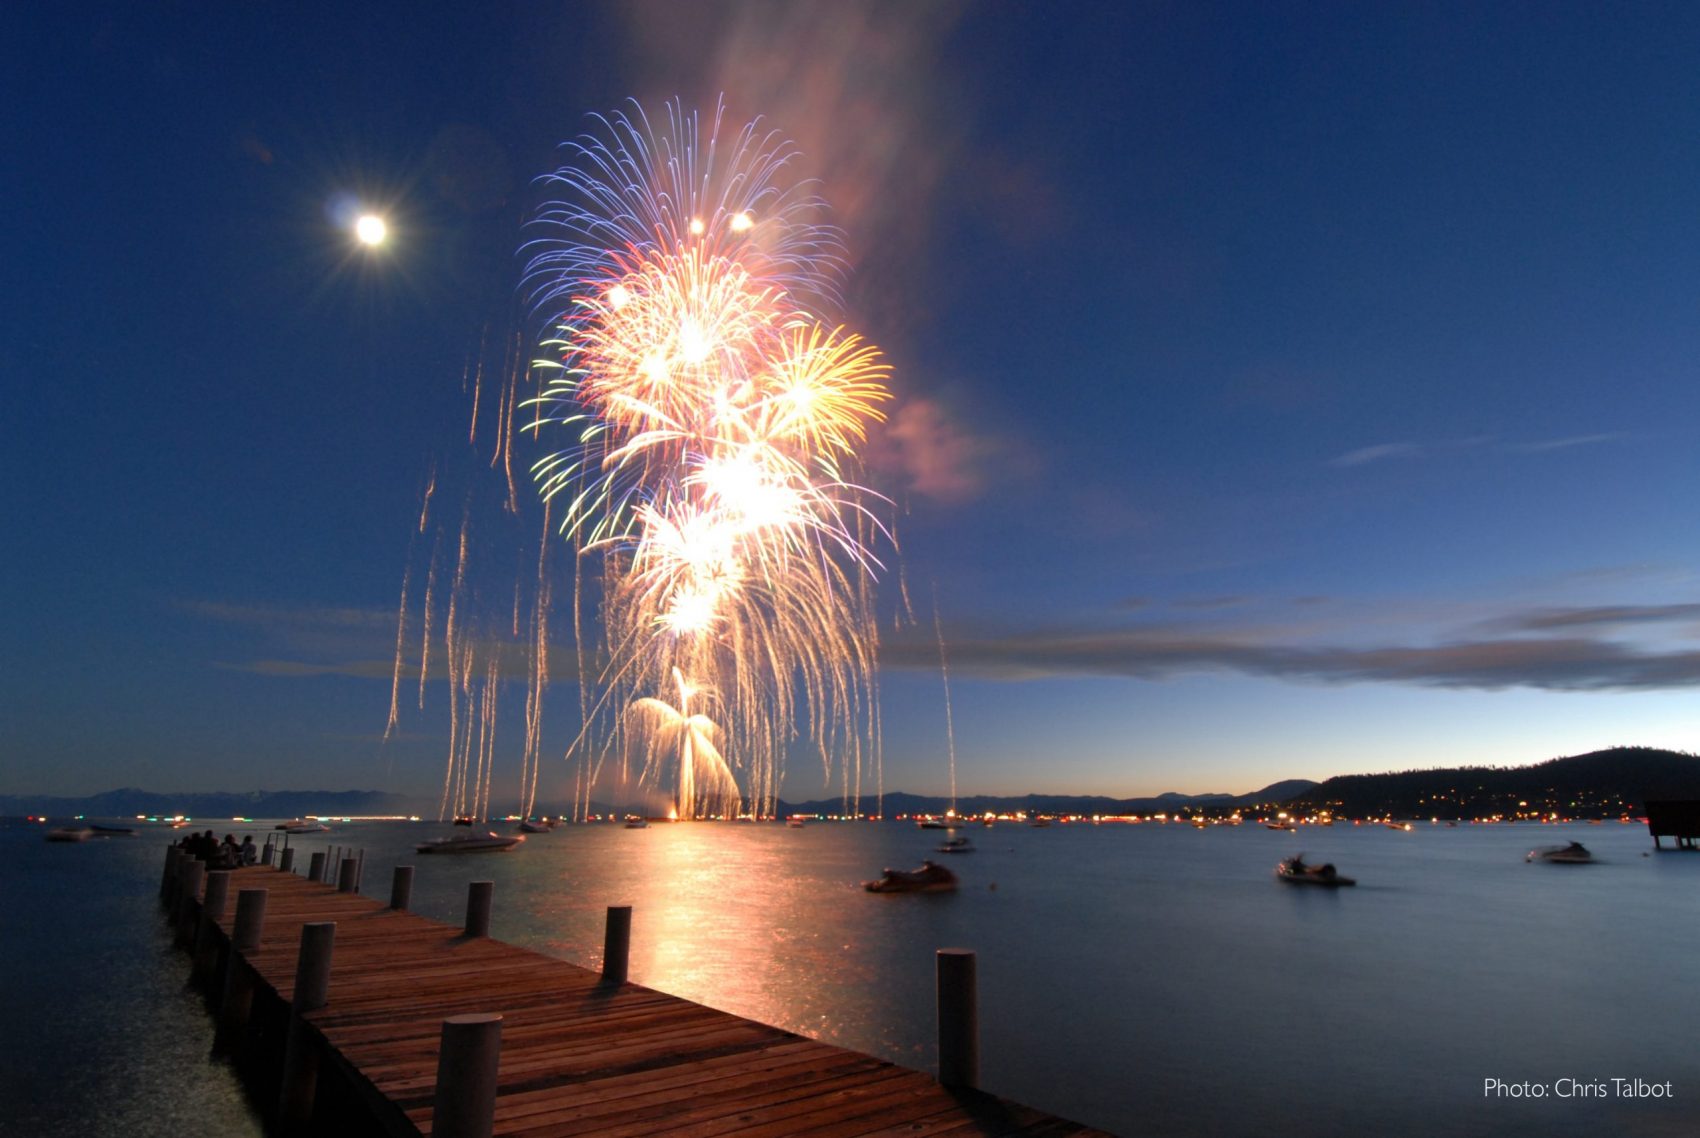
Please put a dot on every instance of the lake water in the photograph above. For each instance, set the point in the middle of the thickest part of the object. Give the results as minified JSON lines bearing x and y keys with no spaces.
{"x":1146,"y":979}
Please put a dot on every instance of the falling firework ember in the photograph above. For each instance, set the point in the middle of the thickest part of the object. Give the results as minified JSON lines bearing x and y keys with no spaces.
{"x":702,"y":418}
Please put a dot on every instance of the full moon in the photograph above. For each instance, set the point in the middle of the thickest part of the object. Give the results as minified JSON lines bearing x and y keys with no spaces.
{"x":371,"y":230}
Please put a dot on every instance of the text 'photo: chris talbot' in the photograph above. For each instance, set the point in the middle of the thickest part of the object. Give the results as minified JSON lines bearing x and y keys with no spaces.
{"x":851,"y":567}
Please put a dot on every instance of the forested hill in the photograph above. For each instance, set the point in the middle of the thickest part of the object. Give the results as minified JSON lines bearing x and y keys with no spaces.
{"x":1600,"y":784}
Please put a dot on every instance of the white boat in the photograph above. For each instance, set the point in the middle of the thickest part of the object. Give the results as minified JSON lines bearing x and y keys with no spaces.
{"x":1294,"y":871}
{"x":1573,"y":854}
{"x":527,"y":826}
{"x":490,"y":842}
{"x":300,"y":827}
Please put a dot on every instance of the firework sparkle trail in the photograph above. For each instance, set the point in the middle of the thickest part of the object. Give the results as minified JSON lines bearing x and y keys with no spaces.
{"x":700,"y":418}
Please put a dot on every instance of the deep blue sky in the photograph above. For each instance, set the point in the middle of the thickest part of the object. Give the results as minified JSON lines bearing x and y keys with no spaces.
{"x":1286,"y":390}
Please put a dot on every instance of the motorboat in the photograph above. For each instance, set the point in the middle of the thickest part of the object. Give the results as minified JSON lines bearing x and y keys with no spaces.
{"x":636,"y":823}
{"x":1573,"y":854}
{"x":1277,"y":825}
{"x":112,"y":831}
{"x":489,"y":842}
{"x":794,"y":823}
{"x":957,"y":845}
{"x":300,"y":827}
{"x":70,"y":834}
{"x":463,"y":819}
{"x":933,"y":824}
{"x":1294,"y":871}
{"x":929,"y":878}
{"x":527,"y":826}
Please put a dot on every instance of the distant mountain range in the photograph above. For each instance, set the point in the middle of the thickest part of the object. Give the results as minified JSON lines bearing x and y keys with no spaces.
{"x":897,"y":802}
{"x":129,"y":802}
{"x":1600,"y":784}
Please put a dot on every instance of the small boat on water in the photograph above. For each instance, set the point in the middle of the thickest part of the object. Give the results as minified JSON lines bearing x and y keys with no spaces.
{"x":1573,"y":854}
{"x":70,"y":834}
{"x":112,"y":831}
{"x":1277,"y":825}
{"x":957,"y":845}
{"x":1294,"y":871}
{"x":636,"y":823}
{"x":491,"y":842}
{"x":300,"y":827}
{"x":929,"y":878}
{"x":463,"y":820}
{"x":933,"y":824}
{"x":794,"y":823}
{"x":527,"y":826}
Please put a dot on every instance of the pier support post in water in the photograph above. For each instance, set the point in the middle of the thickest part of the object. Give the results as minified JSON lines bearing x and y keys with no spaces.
{"x":401,"y":888}
{"x":617,"y":944}
{"x":238,"y":986}
{"x":286,"y":863}
{"x":464,"y":1105}
{"x":191,"y":873}
{"x":300,"y":1053}
{"x":478,"y":897}
{"x":348,"y":876}
{"x":316,"y":867}
{"x":206,"y":930}
{"x":173,"y":855}
{"x":959,"y":1019}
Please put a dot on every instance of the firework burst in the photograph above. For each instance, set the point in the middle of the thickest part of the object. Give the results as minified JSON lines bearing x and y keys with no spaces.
{"x":701,"y":417}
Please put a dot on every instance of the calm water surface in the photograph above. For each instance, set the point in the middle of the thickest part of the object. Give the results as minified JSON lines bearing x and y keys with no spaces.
{"x":1146,"y":979}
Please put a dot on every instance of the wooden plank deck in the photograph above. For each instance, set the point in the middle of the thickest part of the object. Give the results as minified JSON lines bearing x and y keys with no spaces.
{"x":579,"y":1057}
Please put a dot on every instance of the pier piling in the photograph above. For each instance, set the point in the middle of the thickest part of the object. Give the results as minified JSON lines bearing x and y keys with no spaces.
{"x":348,"y":877}
{"x":316,"y":867}
{"x":207,"y":934}
{"x":401,"y":888}
{"x":959,"y":1018}
{"x":464,"y":1102}
{"x":617,"y":944}
{"x":301,"y":1053}
{"x":192,"y":871}
{"x":237,"y":999}
{"x":479,"y":894}
{"x":287,"y":862}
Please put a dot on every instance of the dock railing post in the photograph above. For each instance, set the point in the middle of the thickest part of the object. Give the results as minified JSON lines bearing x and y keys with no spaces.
{"x":286,"y":863}
{"x":959,"y":1019}
{"x":348,"y":876}
{"x":464,"y":1105}
{"x":401,"y":888}
{"x":316,"y":867}
{"x":478,"y":897}
{"x":238,"y":984}
{"x":617,"y":944}
{"x":206,"y":930}
{"x":300,"y":1054}
{"x":267,"y":852}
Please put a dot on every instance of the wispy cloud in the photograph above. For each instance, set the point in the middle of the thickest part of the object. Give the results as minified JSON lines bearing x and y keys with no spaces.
{"x":1542,"y":620}
{"x":1573,"y":664}
{"x":1377,"y":453}
{"x":1545,"y":445}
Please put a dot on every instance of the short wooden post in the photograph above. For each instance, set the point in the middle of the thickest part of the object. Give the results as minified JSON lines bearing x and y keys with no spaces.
{"x":207,"y":930}
{"x":287,"y":862}
{"x":401,"y":888}
{"x":464,"y":1105}
{"x":238,"y":984}
{"x":173,"y":855}
{"x":959,"y":1019}
{"x":617,"y":944}
{"x":300,"y":1055}
{"x":192,"y":873}
{"x":316,"y":867}
{"x":478,"y":897}
{"x":267,"y":853}
{"x":348,"y":877}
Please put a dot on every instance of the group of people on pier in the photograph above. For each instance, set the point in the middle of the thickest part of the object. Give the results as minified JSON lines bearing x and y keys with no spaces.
{"x":220,"y":855}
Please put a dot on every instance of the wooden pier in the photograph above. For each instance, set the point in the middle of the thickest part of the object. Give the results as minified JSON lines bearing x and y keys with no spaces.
{"x":580,"y":1053}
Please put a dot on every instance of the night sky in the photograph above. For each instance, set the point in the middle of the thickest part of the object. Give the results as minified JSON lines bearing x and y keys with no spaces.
{"x":1283,"y":390}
